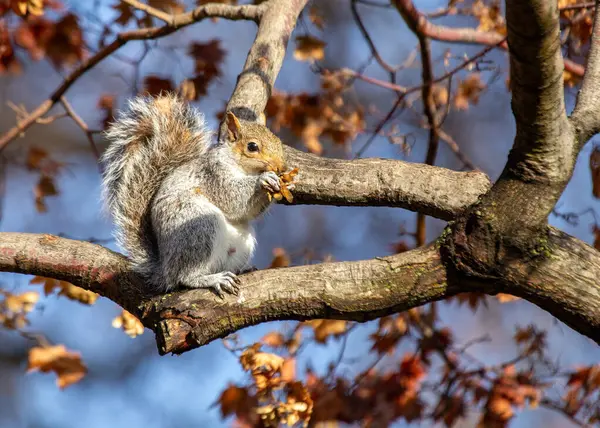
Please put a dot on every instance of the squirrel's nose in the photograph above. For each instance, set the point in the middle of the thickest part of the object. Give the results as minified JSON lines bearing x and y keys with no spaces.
{"x":277,"y":165}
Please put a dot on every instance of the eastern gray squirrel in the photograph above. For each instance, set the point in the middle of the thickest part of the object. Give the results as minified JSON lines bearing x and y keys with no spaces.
{"x":183,"y":205}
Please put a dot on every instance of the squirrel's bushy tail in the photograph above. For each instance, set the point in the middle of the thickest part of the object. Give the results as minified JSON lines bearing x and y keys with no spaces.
{"x":149,"y":140}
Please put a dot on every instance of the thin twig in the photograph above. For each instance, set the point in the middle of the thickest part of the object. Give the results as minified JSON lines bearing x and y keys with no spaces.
{"x":163,"y":16}
{"x":79,"y":121}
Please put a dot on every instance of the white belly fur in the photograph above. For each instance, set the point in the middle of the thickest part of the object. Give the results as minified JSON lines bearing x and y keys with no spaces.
{"x":234,"y":248}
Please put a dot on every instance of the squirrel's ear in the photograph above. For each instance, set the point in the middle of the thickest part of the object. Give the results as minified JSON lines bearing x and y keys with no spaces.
{"x":233,"y":126}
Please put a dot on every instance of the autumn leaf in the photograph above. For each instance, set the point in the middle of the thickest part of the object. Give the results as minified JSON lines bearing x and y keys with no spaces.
{"x":66,"y":47}
{"x":66,"y":364}
{"x":280,"y":258}
{"x":106,"y":103}
{"x":66,"y":289}
{"x":208,"y":58}
{"x":28,"y":7}
{"x":35,"y":157}
{"x":468,"y":91}
{"x":8,"y":61}
{"x":309,"y":48}
{"x":125,"y":13}
{"x":237,"y":401}
{"x":273,"y":339}
{"x":323,"y":329}
{"x":23,"y":302}
{"x":128,"y":323}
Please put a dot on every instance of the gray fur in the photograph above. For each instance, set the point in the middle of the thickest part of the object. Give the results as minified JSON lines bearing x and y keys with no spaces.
{"x":179,"y":202}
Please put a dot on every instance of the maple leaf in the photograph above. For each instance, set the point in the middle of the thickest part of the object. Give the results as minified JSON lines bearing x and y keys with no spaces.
{"x":65,"y":47}
{"x":66,"y":364}
{"x":208,"y":58}
{"x":309,"y":48}
{"x":129,"y":323}
{"x":468,"y":91}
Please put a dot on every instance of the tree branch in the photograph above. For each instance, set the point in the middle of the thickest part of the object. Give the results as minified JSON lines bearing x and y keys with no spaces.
{"x":210,"y":10}
{"x":255,"y":83}
{"x":542,"y":159}
{"x":435,"y":191}
{"x":586,"y":117}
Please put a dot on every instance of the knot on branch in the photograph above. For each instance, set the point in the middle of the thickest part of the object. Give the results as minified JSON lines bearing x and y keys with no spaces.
{"x":481,"y":254}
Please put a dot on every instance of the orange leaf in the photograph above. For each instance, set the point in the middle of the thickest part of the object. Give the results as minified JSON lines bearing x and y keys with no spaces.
{"x":129,"y":323}
{"x":66,"y":364}
{"x":309,"y":48}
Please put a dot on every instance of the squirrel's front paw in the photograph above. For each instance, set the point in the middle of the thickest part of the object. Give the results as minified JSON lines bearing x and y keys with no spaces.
{"x":270,"y":181}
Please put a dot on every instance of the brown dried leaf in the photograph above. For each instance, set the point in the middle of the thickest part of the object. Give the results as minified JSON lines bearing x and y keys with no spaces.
{"x":280,"y":258}
{"x":35,"y":157}
{"x":309,"y":48}
{"x":66,"y":289}
{"x":106,"y":103}
{"x":273,"y":339}
{"x":323,"y":329}
{"x":468,"y":91}
{"x":66,"y":364}
{"x":8,"y":61}
{"x":129,"y":323}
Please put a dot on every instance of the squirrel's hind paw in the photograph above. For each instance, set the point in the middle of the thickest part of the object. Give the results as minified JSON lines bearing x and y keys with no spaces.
{"x":219,"y":282}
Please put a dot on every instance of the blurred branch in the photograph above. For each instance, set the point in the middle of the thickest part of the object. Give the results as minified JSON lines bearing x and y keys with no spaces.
{"x":585,"y":116}
{"x":210,"y":10}
{"x":166,"y":17}
{"x":79,"y":121}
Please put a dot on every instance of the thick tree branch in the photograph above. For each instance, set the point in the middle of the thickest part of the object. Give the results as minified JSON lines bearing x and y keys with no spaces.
{"x":255,"y":83}
{"x":542,"y":159}
{"x":586,"y":115}
{"x":561,"y":277}
{"x":210,"y":10}
{"x":435,"y":191}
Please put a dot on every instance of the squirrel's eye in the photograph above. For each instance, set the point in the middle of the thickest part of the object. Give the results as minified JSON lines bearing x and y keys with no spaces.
{"x":252,"y":147}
